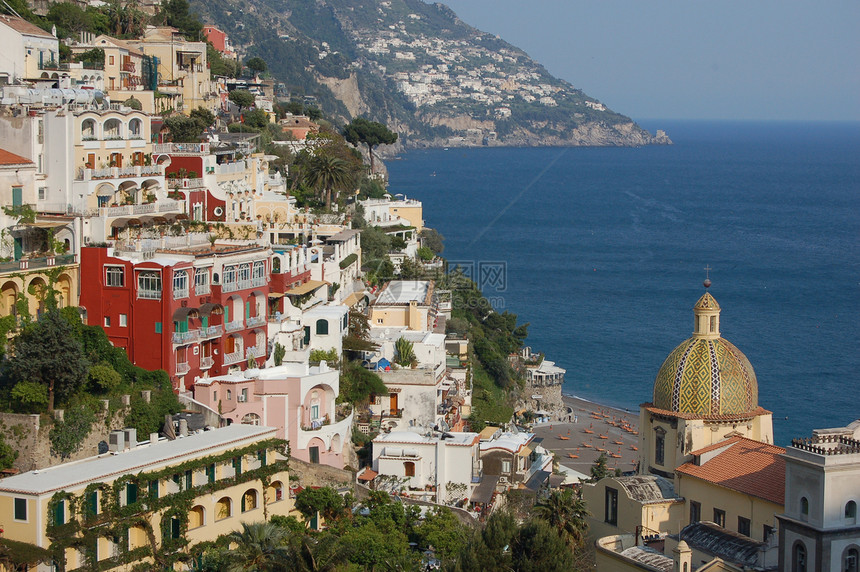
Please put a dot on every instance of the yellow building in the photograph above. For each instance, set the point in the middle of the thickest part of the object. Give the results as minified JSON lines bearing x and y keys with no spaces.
{"x":405,"y":303}
{"x":150,"y":502}
{"x":641,"y":504}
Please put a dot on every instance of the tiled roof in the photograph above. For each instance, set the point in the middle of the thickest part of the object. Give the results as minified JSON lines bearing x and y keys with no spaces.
{"x":7,"y":158}
{"x":665,"y":412}
{"x":24,"y":27}
{"x":726,"y":544}
{"x":746,"y":466}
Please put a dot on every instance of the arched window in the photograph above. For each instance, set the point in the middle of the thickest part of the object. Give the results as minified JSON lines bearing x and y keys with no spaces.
{"x":275,"y":492}
{"x":224,"y":508}
{"x":659,"y":446}
{"x":88,"y":130}
{"x":322,"y":327}
{"x":804,"y":508}
{"x":249,"y":500}
{"x":197,"y":517}
{"x":276,"y":265}
{"x":798,"y":557}
{"x":135,"y":129}
{"x":850,"y":560}
{"x":851,"y":510}
{"x":113,"y":129}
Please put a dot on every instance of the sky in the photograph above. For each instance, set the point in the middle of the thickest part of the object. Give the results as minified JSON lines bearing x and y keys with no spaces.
{"x":692,"y":59}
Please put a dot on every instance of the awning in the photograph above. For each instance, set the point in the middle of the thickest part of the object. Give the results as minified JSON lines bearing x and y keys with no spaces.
{"x":106,"y":192}
{"x":46,"y":224}
{"x":525,"y":451}
{"x":483,"y":493}
{"x":275,"y":295}
{"x":182,"y":314}
{"x":308,"y":286}
{"x":538,"y":479}
{"x":216,"y":309}
{"x":133,"y":222}
{"x":354,"y":299}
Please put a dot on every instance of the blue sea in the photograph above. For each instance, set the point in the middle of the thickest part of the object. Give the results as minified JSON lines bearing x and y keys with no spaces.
{"x":603,"y":252}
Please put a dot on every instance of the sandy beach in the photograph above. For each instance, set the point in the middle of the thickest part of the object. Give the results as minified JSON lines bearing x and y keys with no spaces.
{"x":594,"y":429}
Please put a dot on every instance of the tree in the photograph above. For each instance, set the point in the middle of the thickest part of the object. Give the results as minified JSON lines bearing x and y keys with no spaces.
{"x":405,"y":352}
{"x":242,"y":98}
{"x":599,"y":469}
{"x":431,"y":239}
{"x":203,"y":117}
{"x":371,"y":133}
{"x":46,"y":352}
{"x":259,"y":547}
{"x":256,"y":65}
{"x":184,"y":129}
{"x":175,"y":13}
{"x":257,"y":119}
{"x":104,"y":378}
{"x":327,"y":174}
{"x":321,"y":553}
{"x":537,"y":548}
{"x":358,"y":383}
{"x":566,"y":512}
{"x":29,"y":397}
{"x":324,"y":501}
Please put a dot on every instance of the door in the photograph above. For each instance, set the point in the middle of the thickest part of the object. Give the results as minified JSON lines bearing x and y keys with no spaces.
{"x":91,"y":161}
{"x":314,"y":454}
{"x":393,"y":401}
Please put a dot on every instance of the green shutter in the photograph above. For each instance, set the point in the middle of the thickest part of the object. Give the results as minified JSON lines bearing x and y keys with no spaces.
{"x":157,"y":327}
{"x":226,"y":314}
{"x":153,"y":490}
{"x":210,"y":473}
{"x":131,"y":493}
{"x":247,"y":309}
{"x":244,"y":508}
{"x":93,"y":503}
{"x":189,"y":480}
{"x":204,"y":322}
{"x":20,"y":509}
{"x":261,"y":455}
{"x":175,"y":528}
{"x":237,"y":465}
{"x":60,"y":513}
{"x":17,"y":197}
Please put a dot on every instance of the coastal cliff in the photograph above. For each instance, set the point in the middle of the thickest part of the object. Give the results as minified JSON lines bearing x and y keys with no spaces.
{"x":419,"y":69}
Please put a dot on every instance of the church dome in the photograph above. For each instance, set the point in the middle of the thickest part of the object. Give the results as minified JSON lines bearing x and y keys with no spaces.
{"x":706,"y":375}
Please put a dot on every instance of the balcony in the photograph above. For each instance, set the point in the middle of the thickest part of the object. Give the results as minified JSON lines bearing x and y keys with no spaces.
{"x":211,"y":331}
{"x":177,"y":183}
{"x":235,"y":357}
{"x":235,"y":325}
{"x":38,"y":262}
{"x":180,"y":148}
{"x":185,"y":337}
{"x":255,"y":321}
{"x":161,"y":206}
{"x":85,"y":174}
{"x":326,"y":432}
{"x":251,"y":352}
{"x":149,"y":294}
{"x":182,"y":368}
{"x":207,"y":362}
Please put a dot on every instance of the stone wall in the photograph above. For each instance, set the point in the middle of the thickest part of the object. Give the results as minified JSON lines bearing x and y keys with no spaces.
{"x":314,"y":475}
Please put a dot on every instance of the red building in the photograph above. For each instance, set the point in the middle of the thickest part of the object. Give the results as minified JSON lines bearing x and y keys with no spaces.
{"x":219,"y":40}
{"x":194,"y":312}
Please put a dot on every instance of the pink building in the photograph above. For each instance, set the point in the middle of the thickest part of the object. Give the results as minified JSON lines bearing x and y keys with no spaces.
{"x":297,"y":399}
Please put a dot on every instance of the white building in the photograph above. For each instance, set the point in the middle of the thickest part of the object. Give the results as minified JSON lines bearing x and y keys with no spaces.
{"x":27,"y":51}
{"x":447,"y":461}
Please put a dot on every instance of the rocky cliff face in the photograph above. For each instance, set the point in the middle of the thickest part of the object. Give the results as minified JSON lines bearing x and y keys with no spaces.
{"x":419,"y":69}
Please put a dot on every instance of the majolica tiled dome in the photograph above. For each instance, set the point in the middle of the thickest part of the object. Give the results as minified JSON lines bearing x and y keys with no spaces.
{"x":706,"y":375}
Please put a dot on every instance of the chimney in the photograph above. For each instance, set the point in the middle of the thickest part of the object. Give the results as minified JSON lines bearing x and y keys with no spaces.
{"x":116,"y":441}
{"x":183,"y":427}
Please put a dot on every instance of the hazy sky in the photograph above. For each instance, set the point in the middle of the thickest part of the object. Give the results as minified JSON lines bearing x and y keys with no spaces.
{"x":692,"y":59}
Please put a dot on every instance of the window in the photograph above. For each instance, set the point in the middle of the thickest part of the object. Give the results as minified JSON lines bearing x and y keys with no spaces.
{"x":229,"y":395}
{"x":611,"y":508}
{"x":314,"y":453}
{"x":804,"y":508}
{"x":21,"y":509}
{"x":224,"y":508}
{"x":249,"y":500}
{"x":744,"y":526}
{"x":60,"y":513}
{"x":131,"y":493}
{"x":713,"y":324}
{"x":43,"y":192}
{"x":92,"y":503}
{"x":114,"y":276}
{"x":259,"y":273}
{"x":123,"y":320}
{"x":244,"y":274}
{"x":175,"y":528}
{"x":720,"y":517}
{"x":695,"y":511}
{"x":322,"y":327}
{"x":851,"y":510}
{"x":237,"y":465}
{"x":107,"y":321}
{"x":201,"y":281}
{"x":798,"y":557}
{"x":149,"y":285}
{"x":850,"y":559}
{"x":110,"y":60}
{"x":659,"y":447}
{"x":153,"y":490}
{"x":767,"y":530}
{"x":180,"y":284}
{"x":506,"y":467}
{"x":409,"y":468}
{"x":210,"y":473}
{"x":157,"y":327}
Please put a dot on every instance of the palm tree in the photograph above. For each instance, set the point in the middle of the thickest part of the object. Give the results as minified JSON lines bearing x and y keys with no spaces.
{"x":327,"y":174}
{"x":566,"y":512}
{"x":320,"y":553}
{"x":259,"y":547}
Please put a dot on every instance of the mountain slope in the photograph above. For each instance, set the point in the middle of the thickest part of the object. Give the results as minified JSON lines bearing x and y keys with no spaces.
{"x":418,"y":68}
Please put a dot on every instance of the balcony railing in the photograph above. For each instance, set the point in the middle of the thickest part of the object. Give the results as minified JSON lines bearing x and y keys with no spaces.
{"x":149,"y":294}
{"x":186,"y":183}
{"x":232,"y":358}
{"x":211,"y":331}
{"x":85,"y":174}
{"x":235,"y":325}
{"x":255,"y":321}
{"x":185,"y":337}
{"x":206,"y":362}
{"x":182,"y":368}
{"x":251,"y":352}
{"x":195,"y":148}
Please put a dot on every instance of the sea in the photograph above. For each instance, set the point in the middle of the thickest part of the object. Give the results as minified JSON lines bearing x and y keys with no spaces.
{"x":603,"y":252}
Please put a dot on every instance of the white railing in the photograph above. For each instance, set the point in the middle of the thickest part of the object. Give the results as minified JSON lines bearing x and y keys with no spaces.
{"x":232,"y":358}
{"x":185,"y":337}
{"x":255,"y":321}
{"x":85,"y":174}
{"x":182,"y":368}
{"x":149,"y":294}
{"x":179,"y":294}
{"x":202,"y":148}
{"x":230,"y":168}
{"x":235,"y":325}
{"x":202,"y":289}
{"x":251,"y":352}
{"x":151,"y":170}
{"x":258,"y":281}
{"x":186,"y":183}
{"x":206,"y":362}
{"x":211,"y":331}
{"x":169,"y":205}
{"x":127,"y":171}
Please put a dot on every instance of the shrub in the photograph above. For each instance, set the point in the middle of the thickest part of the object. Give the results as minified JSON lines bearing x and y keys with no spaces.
{"x":29,"y":397}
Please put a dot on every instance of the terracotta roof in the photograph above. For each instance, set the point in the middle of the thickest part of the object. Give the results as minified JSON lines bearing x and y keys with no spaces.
{"x":367,"y":475}
{"x":7,"y":158}
{"x":665,"y":412}
{"x":24,"y":27}
{"x":746,"y":466}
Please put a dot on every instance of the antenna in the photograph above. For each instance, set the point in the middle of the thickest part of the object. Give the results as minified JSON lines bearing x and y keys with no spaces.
{"x":11,"y":9}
